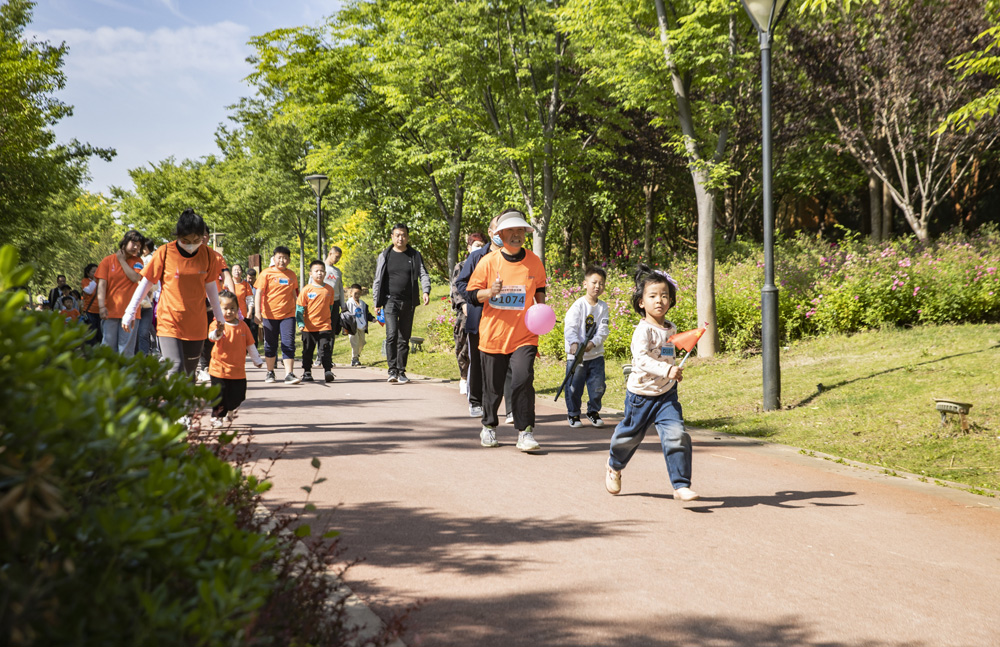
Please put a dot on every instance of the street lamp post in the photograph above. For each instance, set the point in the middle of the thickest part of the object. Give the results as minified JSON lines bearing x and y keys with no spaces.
{"x":318,"y":184}
{"x":765,"y":15}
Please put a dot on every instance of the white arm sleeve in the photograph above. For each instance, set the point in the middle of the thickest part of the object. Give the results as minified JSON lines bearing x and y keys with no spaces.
{"x":254,"y":355}
{"x":212,"y":292}
{"x":90,"y":288}
{"x":140,"y":293}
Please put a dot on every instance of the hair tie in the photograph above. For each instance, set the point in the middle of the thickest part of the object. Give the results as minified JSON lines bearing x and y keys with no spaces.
{"x":666,"y":276}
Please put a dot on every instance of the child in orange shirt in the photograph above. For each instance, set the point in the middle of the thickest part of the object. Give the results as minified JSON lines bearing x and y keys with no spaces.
{"x":68,"y":311}
{"x":228,"y":365}
{"x":314,"y":312}
{"x":274,"y":308}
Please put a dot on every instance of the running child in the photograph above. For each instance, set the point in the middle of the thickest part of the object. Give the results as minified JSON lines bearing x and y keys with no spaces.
{"x":586,"y":326}
{"x":652,"y":388}
{"x":314,"y":312}
{"x":362,"y":317}
{"x":229,"y":355}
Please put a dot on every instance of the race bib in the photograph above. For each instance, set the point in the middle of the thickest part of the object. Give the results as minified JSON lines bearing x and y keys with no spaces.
{"x":511,"y":297}
{"x":282,"y":281}
{"x":311,"y":295}
{"x":667,"y":351}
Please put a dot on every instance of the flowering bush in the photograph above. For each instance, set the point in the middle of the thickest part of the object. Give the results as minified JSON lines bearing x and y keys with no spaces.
{"x":844,"y":287}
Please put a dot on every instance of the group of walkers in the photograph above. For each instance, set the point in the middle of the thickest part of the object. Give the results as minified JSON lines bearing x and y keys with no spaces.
{"x":207,"y":314}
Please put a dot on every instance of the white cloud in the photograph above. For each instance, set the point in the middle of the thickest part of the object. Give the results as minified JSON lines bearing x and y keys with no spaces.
{"x":108,"y":56}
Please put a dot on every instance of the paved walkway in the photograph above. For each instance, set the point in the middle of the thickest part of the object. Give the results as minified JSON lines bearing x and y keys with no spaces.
{"x":503,"y":548}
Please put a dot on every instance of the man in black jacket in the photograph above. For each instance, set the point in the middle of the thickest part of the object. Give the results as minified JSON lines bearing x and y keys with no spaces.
{"x":400,"y":278}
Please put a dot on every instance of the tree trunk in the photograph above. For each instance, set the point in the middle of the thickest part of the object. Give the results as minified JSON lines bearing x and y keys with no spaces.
{"x":647,"y":241}
{"x":606,"y":240}
{"x":875,"y":206}
{"x":455,"y":222}
{"x":886,"y":211}
{"x":586,"y":230}
{"x":568,"y":245}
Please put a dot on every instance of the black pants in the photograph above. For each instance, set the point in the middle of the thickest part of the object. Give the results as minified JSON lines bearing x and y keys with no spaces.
{"x":233,"y":393}
{"x":521,"y":365}
{"x":206,"y":350}
{"x":461,"y":345}
{"x":94,"y":321}
{"x":310,"y":340}
{"x":398,"y":327}
{"x":476,"y":376}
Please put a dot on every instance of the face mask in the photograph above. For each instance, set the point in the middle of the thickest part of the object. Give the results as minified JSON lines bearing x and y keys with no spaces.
{"x":190,"y":249}
{"x":497,"y":240}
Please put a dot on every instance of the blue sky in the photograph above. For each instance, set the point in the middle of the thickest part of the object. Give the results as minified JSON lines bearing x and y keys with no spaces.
{"x":152,"y":78}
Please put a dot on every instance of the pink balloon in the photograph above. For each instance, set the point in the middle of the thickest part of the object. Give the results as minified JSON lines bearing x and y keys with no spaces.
{"x":540,"y":318}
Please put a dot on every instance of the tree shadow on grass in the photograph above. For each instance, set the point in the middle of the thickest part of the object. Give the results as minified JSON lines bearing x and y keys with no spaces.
{"x":822,"y":388}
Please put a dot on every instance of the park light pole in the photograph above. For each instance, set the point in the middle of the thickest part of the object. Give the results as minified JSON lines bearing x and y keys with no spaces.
{"x":318,"y":184}
{"x":765,"y":15}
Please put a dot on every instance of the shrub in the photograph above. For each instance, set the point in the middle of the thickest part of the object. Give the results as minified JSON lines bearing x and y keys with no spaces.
{"x":113,"y":529}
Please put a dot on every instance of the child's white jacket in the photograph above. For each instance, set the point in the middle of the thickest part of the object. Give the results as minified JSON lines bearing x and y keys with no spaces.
{"x":652,"y":357}
{"x":575,"y":326}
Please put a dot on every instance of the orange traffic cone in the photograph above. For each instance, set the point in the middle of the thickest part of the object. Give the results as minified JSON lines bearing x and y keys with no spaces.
{"x":688,"y":339}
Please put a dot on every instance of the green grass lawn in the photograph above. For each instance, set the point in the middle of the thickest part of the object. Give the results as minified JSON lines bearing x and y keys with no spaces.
{"x":876,"y":405}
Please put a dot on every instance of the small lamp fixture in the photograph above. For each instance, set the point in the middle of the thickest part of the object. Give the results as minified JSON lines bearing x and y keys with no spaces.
{"x":765,"y":14}
{"x":318,"y":184}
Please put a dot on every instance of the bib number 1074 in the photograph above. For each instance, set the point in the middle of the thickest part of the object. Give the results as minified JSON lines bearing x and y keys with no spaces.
{"x":510,"y":298}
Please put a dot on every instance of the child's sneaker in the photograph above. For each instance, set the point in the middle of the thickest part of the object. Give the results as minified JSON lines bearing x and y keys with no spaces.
{"x":269,"y":378}
{"x":612,"y":479}
{"x":488,"y":437}
{"x":685,"y":494}
{"x":203,"y":376}
{"x":307,"y":376}
{"x":475,"y":411}
{"x":292,"y":378}
{"x":509,"y":419}
{"x":526,"y":441}
{"x":329,"y":376}
{"x":574,"y":421}
{"x":217,"y":423}
{"x":595,"y":419}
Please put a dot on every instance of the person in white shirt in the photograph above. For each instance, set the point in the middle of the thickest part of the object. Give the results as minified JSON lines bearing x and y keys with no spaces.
{"x":651,"y":399}
{"x":584,"y":331}
{"x":335,"y":279}
{"x":362,"y":317}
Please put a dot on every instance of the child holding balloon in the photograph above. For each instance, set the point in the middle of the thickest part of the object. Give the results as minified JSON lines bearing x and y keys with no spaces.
{"x":652,"y":388}
{"x":506,"y":282}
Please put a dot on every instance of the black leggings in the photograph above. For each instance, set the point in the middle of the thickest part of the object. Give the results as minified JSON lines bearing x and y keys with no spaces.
{"x":182,"y":353}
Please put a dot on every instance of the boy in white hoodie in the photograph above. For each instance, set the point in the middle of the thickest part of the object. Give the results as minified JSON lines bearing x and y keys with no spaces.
{"x":584,"y":330}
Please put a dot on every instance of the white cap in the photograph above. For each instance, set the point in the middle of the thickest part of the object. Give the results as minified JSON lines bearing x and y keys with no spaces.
{"x":510,"y":220}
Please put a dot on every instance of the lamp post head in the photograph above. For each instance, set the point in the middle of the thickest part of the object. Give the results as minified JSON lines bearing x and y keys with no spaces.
{"x":318,"y":184}
{"x":765,"y":14}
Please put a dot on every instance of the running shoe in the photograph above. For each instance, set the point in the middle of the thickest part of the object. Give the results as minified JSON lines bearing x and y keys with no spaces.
{"x":574,"y":421}
{"x":217,"y":423}
{"x":392,"y":377}
{"x":595,"y":419}
{"x":401,"y":378}
{"x":269,"y":378}
{"x":204,"y":377}
{"x":355,"y":362}
{"x":463,"y":386}
{"x":329,"y":376}
{"x":488,"y":437}
{"x":307,"y":376}
{"x":292,"y":378}
{"x":685,"y":494}
{"x":510,"y":418}
{"x":526,"y":441}
{"x":475,"y":411}
{"x":613,"y":479}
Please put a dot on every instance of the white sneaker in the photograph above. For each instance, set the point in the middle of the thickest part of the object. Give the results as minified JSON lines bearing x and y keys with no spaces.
{"x":526,"y":441}
{"x":488,"y":437}
{"x":475,"y":411}
{"x":685,"y":494}
{"x":217,"y":423}
{"x":463,"y":386}
{"x":510,"y":418}
{"x":613,"y":479}
{"x":204,"y":377}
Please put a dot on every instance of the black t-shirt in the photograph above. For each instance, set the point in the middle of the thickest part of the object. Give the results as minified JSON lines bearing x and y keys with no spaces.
{"x":398,"y":268}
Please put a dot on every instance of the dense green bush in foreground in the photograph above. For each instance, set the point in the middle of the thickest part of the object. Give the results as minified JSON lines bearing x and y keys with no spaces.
{"x":116,"y":531}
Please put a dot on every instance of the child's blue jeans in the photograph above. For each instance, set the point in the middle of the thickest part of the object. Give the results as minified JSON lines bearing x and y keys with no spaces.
{"x":589,"y":374}
{"x":663,"y":411}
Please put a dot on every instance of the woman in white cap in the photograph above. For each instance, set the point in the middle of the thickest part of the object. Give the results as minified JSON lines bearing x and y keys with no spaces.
{"x":507,"y":282}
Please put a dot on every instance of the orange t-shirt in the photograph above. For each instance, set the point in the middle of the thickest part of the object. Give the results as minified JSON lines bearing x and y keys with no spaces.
{"x":182,"y":312}
{"x":90,"y":300}
{"x":242,"y":292}
{"x":229,"y":355}
{"x":502,"y":329}
{"x":71,"y":315}
{"x":278,"y":289}
{"x":120,"y":287}
{"x":317,"y":302}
